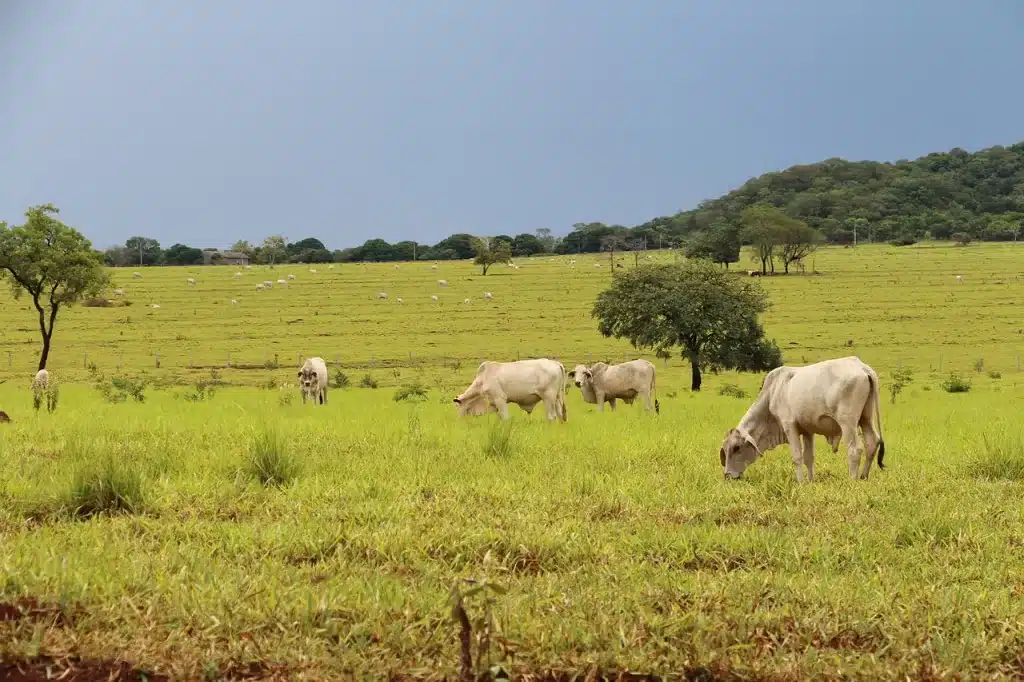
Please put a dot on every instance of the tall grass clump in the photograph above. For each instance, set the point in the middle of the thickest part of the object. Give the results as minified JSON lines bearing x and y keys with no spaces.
{"x":499,"y":442}
{"x":341,"y":380}
{"x":955,"y":383}
{"x":732,"y":390}
{"x":109,"y":486}
{"x":1001,"y":460}
{"x":415,"y":391}
{"x":270,"y":461}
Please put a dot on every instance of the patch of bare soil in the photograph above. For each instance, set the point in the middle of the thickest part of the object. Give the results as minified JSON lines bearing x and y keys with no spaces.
{"x":29,"y":608}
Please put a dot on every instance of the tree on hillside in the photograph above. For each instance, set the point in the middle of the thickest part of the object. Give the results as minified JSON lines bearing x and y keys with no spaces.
{"x":760,"y":230}
{"x":143,"y":251}
{"x":274,"y":249}
{"x":180,"y":254}
{"x":51,"y":262}
{"x":720,"y":243}
{"x":708,"y":314}
{"x":796,"y":241}
{"x":489,"y":252}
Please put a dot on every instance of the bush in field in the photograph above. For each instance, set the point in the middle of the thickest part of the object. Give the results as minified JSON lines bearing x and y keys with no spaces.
{"x":955,"y":383}
{"x":367,"y":381}
{"x":413,"y":391}
{"x":901,"y":378}
{"x":732,"y":390}
{"x":118,"y":389}
{"x":270,"y":460}
{"x":341,"y":380}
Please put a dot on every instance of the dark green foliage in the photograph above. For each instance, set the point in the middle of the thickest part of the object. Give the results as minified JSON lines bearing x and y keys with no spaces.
{"x":732,"y":390}
{"x":367,"y":381}
{"x":489,"y":252}
{"x":107,"y":487}
{"x":720,"y":243}
{"x":270,"y":461}
{"x":179,"y":254}
{"x":955,"y":383}
{"x":340,"y":380}
{"x":414,"y":391}
{"x":708,"y":314}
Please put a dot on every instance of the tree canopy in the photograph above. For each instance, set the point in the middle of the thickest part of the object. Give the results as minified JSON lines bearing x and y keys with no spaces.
{"x":51,"y":262}
{"x":709,"y":315}
{"x":489,"y":252}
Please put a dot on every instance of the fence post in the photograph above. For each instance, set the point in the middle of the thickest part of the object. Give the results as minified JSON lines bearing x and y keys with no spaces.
{"x":277,"y":364}
{"x":158,"y":361}
{"x":229,"y":358}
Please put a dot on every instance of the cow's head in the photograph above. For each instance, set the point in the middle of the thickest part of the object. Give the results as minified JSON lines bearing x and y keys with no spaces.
{"x":738,"y":451}
{"x":473,"y":407}
{"x":581,"y":375}
{"x":307,"y":378}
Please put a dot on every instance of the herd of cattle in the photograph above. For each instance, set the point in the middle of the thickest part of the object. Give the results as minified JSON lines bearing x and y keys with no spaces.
{"x":831,"y":398}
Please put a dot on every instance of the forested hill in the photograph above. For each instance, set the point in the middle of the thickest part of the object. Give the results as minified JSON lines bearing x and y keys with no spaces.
{"x":979,"y":194}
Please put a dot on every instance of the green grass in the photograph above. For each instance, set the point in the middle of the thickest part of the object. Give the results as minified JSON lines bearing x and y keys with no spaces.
{"x":614,"y":536}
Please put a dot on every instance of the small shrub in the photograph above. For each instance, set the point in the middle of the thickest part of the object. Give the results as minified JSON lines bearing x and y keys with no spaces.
{"x":414,"y":391}
{"x":955,"y":383}
{"x":901,"y":378}
{"x":979,"y":365}
{"x":97,"y":303}
{"x":903,"y":240}
{"x":367,"y":382}
{"x":499,"y":441}
{"x":268,"y":385}
{"x":285,"y":398}
{"x":204,"y":391}
{"x":995,"y":375}
{"x":456,"y":365}
{"x":110,"y":487}
{"x":270,"y":461}
{"x":341,"y":380}
{"x":1002,"y":459}
{"x":961,"y":238}
{"x":732,"y":390}
{"x":118,"y":389}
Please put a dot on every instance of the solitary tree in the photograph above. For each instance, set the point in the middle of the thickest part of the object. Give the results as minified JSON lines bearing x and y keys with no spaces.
{"x":143,"y":250}
{"x":797,"y":240}
{"x":761,"y":226}
{"x":274,"y":249}
{"x":612,"y":243}
{"x":709,"y":315}
{"x":51,"y":262}
{"x":489,"y":252}
{"x":720,"y":243}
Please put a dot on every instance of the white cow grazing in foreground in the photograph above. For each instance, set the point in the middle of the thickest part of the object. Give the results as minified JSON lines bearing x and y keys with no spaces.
{"x":831,"y":398}
{"x":44,"y":386}
{"x":313,"y":380}
{"x":523,"y":382}
{"x":602,"y":383}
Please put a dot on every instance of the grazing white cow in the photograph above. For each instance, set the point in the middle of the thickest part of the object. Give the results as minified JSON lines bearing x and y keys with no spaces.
{"x":597,"y":265}
{"x":434,"y":266}
{"x":382,"y":295}
{"x":238,"y":275}
{"x":312,"y":271}
{"x":155,"y":306}
{"x":399,"y":299}
{"x":234,"y":302}
{"x":442,"y":282}
{"x":313,"y":380}
{"x":192,"y":281}
{"x":330,"y":267}
{"x":523,"y":382}
{"x":487,"y":295}
{"x":959,"y":279}
{"x":259,"y":287}
{"x":434,"y":298}
{"x":291,"y":276}
{"x":466,"y":301}
{"x":44,"y":387}
{"x":136,"y":275}
{"x":283,"y":282}
{"x":831,"y":398}
{"x":602,"y":383}
{"x":118,"y":292}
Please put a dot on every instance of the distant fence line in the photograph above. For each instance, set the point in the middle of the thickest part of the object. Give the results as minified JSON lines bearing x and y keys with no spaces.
{"x":410,"y":359}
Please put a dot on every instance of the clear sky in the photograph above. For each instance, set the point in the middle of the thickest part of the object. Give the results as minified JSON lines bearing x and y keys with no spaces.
{"x":207,"y":121}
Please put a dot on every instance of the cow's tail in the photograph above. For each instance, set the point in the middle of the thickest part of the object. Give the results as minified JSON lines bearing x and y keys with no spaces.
{"x":563,"y":388}
{"x":876,"y":389}
{"x":654,"y":393}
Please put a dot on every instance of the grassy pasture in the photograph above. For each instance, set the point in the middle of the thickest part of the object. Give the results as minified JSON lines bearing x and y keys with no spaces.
{"x":615,"y":538}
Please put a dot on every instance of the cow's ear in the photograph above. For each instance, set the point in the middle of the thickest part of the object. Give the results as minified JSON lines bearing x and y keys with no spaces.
{"x":721,"y":455}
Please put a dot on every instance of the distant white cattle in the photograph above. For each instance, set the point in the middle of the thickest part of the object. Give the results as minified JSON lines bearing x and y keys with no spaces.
{"x":523,"y":382}
{"x":488,"y":295}
{"x":118,"y":292}
{"x":312,"y":271}
{"x":959,"y":279}
{"x":238,"y":275}
{"x":283,"y":282}
{"x":191,"y":280}
{"x":136,"y":275}
{"x":434,"y":298}
{"x":442,"y":282}
{"x":267,"y":284}
{"x":330,"y":267}
{"x":291,"y":276}
{"x":234,"y":302}
{"x":44,"y":387}
{"x":831,"y":398}
{"x":601,"y":382}
{"x":313,"y":380}
{"x":399,"y":299}
{"x":466,"y":301}
{"x":155,"y":306}
{"x":597,"y":265}
{"x":433,"y":266}
{"x":382,"y":295}
{"x":259,"y":287}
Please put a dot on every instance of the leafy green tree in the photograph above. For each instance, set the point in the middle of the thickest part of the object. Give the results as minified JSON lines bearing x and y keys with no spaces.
{"x":761,"y":230}
{"x":526,"y":245}
{"x":143,"y":251}
{"x":708,"y":314}
{"x":180,"y":254}
{"x":547,"y":240}
{"x":242,"y":246}
{"x":797,"y":240}
{"x":720,"y":244}
{"x":462,"y":245}
{"x":489,"y":252}
{"x":51,"y":262}
{"x":274,"y":249}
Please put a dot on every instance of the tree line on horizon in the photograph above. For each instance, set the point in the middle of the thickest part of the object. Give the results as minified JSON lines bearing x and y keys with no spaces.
{"x":953,"y":195}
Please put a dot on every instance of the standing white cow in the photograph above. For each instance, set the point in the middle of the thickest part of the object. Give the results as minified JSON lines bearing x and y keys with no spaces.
{"x":831,"y":398}
{"x":442,"y":282}
{"x":45,"y":387}
{"x":602,"y":383}
{"x":523,"y":382}
{"x":313,"y":380}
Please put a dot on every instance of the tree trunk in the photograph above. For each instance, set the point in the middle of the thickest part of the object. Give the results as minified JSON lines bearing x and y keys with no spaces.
{"x":785,"y":264}
{"x":484,"y":267}
{"x":46,"y":350}
{"x":764,"y":265}
{"x":694,"y":372}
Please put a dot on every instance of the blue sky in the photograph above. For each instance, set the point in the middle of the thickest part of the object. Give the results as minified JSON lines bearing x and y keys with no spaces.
{"x":204,"y":122}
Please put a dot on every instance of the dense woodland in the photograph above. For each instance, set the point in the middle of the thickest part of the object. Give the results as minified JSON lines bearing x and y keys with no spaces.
{"x":952,"y":195}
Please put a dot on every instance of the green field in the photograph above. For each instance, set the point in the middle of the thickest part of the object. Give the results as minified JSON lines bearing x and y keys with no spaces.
{"x":614,"y":536}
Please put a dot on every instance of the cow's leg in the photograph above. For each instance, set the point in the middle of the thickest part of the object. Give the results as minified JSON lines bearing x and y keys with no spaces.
{"x":808,"y":439}
{"x":303,"y":397}
{"x":795,"y":449}
{"x":501,"y":405}
{"x":611,"y":401}
{"x":600,"y":400}
{"x":871,"y":441}
{"x":647,"y":401}
{"x":833,"y":441}
{"x":853,"y":449}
